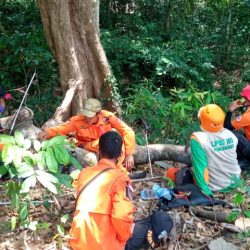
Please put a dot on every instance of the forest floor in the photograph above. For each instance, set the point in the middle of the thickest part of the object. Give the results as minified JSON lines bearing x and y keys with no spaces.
{"x":192,"y":231}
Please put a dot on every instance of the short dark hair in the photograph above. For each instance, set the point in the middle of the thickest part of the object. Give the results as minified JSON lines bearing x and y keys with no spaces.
{"x":110,"y":145}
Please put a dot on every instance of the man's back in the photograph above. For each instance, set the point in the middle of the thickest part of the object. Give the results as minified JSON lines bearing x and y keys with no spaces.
{"x":220,"y":149}
{"x":103,"y":214}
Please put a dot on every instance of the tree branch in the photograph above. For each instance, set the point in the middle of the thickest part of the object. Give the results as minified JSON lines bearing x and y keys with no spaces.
{"x":63,"y":111}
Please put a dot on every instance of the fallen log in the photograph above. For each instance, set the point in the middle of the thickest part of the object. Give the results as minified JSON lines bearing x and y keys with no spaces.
{"x":219,"y":216}
{"x":159,"y":152}
{"x":24,"y":123}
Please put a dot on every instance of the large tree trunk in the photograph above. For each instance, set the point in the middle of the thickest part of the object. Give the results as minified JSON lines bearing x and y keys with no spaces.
{"x":73,"y":38}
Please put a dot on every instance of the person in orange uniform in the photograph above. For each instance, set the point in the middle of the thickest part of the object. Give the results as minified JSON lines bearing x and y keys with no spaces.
{"x":103,"y":218}
{"x":241,"y":122}
{"x":90,"y":125}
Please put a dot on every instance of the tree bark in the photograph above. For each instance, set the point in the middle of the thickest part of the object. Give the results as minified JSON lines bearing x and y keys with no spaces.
{"x":97,"y":14}
{"x":158,"y":152}
{"x":73,"y":38}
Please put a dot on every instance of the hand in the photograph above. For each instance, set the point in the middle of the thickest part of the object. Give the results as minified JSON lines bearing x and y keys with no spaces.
{"x":129,"y":162}
{"x":43,"y":136}
{"x":234,"y":105}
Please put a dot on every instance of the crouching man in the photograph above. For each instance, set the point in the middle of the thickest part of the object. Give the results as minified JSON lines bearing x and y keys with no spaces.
{"x":88,"y":126}
{"x":213,"y":151}
{"x":241,"y":122}
{"x":103,"y":217}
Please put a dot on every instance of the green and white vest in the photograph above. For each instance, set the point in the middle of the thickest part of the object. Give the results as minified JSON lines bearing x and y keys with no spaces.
{"x":220,"y":150}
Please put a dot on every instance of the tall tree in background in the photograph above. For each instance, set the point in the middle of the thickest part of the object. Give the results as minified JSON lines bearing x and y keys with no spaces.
{"x":73,"y":36}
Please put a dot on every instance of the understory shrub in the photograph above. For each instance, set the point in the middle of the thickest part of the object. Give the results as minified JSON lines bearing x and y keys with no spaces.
{"x":170,"y":116}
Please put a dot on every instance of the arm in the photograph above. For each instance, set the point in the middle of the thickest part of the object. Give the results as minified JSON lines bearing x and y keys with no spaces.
{"x":199,"y":159}
{"x":126,"y":132}
{"x":128,"y":136}
{"x":63,"y":129}
{"x":241,"y":121}
{"x":122,"y":210}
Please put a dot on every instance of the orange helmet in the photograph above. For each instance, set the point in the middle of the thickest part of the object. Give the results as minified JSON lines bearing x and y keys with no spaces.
{"x":211,"y":118}
{"x":246,"y":92}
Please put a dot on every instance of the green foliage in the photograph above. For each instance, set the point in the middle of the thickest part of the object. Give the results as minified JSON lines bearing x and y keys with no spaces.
{"x":197,"y":49}
{"x":178,"y":44}
{"x":61,"y":227}
{"x":240,"y":199}
{"x":171,"y":118}
{"x":30,"y":166}
{"x":236,"y":183}
{"x":24,"y":50}
{"x":174,"y":42}
{"x":244,"y":235}
{"x":147,"y":103}
{"x":110,"y":82}
{"x":166,"y":63}
{"x":185,"y":64}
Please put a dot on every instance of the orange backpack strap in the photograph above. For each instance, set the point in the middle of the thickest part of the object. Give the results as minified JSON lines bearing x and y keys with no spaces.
{"x":91,"y":180}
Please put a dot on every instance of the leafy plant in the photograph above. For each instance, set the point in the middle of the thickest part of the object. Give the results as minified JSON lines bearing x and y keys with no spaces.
{"x":29,"y":163}
{"x":240,"y":199}
{"x":60,"y":227}
{"x":170,"y":118}
{"x":24,"y":50}
{"x":146,"y":105}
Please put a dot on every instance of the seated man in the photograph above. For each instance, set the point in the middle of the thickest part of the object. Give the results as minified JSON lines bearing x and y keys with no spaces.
{"x":241,"y":122}
{"x":103,"y":217}
{"x":90,"y":125}
{"x":213,"y":151}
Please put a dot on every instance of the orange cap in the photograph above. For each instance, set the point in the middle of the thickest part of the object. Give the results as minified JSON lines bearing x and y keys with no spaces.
{"x":211,"y":118}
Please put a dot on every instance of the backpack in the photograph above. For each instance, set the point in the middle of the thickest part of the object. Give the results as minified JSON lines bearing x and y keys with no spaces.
{"x":184,"y":176}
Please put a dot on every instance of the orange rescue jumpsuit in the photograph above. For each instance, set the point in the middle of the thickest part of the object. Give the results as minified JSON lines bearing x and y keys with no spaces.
{"x":88,"y":135}
{"x":243,"y":121}
{"x":103,"y":217}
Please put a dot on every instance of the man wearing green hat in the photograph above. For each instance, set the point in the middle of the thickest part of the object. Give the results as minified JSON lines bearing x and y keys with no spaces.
{"x":90,"y":125}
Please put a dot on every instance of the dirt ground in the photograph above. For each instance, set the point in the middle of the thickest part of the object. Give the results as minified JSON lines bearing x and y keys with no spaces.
{"x":192,"y":231}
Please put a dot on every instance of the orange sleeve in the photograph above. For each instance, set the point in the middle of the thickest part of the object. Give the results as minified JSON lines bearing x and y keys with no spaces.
{"x":126,"y":132}
{"x":92,"y":146}
{"x":122,"y":210}
{"x":63,"y":129}
{"x":241,"y":121}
